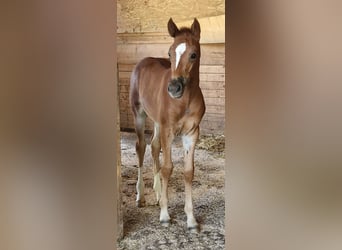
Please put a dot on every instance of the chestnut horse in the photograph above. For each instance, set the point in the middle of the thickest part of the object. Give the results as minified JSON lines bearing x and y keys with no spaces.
{"x":167,"y":91}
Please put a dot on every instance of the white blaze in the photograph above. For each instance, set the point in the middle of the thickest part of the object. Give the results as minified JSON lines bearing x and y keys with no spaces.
{"x":179,"y":52}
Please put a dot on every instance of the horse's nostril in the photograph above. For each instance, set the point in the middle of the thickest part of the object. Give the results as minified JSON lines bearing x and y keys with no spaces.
{"x":178,"y":89}
{"x":175,"y":88}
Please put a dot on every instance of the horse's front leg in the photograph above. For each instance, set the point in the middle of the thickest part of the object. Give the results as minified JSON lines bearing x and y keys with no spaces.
{"x":155,"y":146}
{"x":189,"y":142}
{"x":166,"y":171}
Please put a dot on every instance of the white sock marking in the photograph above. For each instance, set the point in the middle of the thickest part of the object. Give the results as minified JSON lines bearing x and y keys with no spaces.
{"x":140,"y":186}
{"x":164,"y":215}
{"x":187,"y":142}
{"x":179,"y":52}
{"x":157,"y":186}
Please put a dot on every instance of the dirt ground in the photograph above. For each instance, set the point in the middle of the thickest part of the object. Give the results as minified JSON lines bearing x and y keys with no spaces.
{"x":142,"y":229}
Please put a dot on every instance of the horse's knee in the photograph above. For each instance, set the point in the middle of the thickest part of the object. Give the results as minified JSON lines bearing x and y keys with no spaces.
{"x":140,"y":145}
{"x":166,"y":171}
{"x":189,"y":175}
{"x":155,"y":146}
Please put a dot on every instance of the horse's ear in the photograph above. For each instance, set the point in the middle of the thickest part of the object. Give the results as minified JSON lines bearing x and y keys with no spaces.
{"x":196,"y":29}
{"x":173,"y":30}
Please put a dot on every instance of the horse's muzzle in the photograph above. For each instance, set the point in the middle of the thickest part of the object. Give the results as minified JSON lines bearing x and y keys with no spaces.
{"x":176,"y":87}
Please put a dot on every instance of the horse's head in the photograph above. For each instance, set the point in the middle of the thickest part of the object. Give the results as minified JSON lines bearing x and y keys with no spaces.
{"x":184,"y":55}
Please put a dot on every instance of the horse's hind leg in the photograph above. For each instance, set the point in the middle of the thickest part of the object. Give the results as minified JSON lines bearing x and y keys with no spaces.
{"x":140,"y":149}
{"x":155,"y":145}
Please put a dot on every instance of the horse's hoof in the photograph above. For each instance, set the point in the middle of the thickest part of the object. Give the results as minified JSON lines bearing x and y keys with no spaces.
{"x":165,"y":223}
{"x":140,"y":203}
{"x":194,"y":229}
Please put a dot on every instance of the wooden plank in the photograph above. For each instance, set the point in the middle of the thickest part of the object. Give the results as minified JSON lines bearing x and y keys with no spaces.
{"x":124,"y":88}
{"x":124,"y":75}
{"x":208,"y":85}
{"x":211,"y":121}
{"x":213,"y":117}
{"x":144,"y":38}
{"x":203,"y":76}
{"x":212,"y":69}
{"x":212,"y":54}
{"x":215,"y":109}
{"x":215,"y":97}
{"x":214,"y":93}
{"x":132,"y":53}
{"x":217,"y":101}
{"x":213,"y":128}
{"x":123,"y":118}
{"x":124,"y":106}
{"x":211,"y":77}
{"x":123,"y":98}
{"x":218,"y":125}
{"x":126,"y":67}
{"x":124,"y":81}
{"x":204,"y":68}
{"x":126,"y":112}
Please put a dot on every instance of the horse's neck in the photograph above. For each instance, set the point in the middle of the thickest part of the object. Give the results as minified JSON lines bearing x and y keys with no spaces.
{"x":194,"y":82}
{"x":193,"y":92}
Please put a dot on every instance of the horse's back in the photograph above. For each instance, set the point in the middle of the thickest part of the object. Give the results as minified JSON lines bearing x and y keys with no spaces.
{"x":145,"y":75}
{"x":149,"y":69}
{"x":151,"y":63}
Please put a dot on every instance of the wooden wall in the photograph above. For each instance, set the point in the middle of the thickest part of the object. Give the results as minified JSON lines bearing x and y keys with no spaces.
{"x":132,"y":47}
{"x":152,"y":15}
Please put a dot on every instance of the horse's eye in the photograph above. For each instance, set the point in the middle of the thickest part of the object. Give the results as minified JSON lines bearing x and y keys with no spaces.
{"x":193,"y":56}
{"x":169,"y":54}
